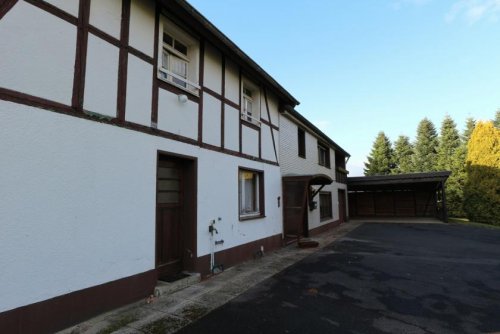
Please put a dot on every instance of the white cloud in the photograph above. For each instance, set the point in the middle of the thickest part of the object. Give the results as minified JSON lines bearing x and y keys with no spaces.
{"x":474,"y":10}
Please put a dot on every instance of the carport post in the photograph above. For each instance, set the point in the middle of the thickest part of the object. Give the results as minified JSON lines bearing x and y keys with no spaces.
{"x":445,"y":210}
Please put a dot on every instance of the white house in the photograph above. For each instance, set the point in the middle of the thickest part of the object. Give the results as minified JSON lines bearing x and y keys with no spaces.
{"x":130,"y":129}
{"x":314,"y":178}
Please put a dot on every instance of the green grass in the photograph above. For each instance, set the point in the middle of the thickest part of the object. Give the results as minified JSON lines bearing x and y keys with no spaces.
{"x":465,"y":221}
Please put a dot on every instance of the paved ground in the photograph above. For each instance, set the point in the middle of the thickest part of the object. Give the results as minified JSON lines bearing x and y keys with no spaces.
{"x":172,"y":311}
{"x":379,"y":278}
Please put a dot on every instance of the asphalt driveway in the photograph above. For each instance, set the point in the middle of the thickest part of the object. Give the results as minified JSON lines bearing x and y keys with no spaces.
{"x":380,"y":278}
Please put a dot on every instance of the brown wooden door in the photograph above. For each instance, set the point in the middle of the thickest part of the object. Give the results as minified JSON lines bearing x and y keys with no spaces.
{"x":342,"y":206}
{"x":169,"y":212}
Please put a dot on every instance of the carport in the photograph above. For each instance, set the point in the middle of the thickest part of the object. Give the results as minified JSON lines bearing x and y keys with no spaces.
{"x":403,"y":195}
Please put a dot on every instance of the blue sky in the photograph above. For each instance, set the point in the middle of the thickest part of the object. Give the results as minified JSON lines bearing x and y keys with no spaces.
{"x":363,"y":66}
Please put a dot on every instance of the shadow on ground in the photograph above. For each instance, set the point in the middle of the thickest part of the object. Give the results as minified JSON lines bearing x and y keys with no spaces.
{"x":380,"y":278}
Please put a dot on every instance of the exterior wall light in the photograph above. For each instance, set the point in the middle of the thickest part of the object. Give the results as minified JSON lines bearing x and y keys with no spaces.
{"x":182,"y":98}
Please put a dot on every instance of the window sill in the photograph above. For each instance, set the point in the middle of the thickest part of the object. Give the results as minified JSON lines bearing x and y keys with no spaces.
{"x":251,"y":217}
{"x":325,"y":219}
{"x":302,"y":156}
{"x":193,"y":92}
{"x":250,"y":124}
{"x":324,"y":166}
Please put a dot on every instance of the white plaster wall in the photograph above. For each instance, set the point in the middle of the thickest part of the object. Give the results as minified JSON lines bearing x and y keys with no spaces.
{"x":231,"y":128}
{"x":211,"y":120}
{"x":106,"y":16}
{"x":79,"y":196}
{"x":76,"y":196}
{"x":250,"y":141}
{"x":273,"y":108}
{"x":139,"y":91}
{"x":218,"y":197}
{"x":232,"y":82}
{"x":263,"y":108}
{"x":33,"y":63}
{"x":212,"y":69}
{"x":101,"y":78}
{"x":142,"y":26}
{"x":175,"y":117}
{"x":69,"y":6}
{"x":267,"y":143}
{"x":277,"y":141}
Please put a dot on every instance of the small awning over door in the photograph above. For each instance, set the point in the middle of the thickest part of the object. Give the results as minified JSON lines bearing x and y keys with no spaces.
{"x":295,"y":202}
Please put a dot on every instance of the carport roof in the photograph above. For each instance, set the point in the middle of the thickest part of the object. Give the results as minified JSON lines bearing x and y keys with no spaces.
{"x":396,"y":181}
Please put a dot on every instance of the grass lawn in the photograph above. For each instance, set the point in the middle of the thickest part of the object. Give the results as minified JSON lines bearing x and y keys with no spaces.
{"x":465,"y":221}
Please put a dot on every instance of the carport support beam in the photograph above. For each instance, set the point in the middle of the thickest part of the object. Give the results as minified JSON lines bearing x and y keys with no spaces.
{"x":445,"y":210}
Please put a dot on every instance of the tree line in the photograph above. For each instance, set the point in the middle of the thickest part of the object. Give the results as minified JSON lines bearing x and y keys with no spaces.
{"x":472,"y":157}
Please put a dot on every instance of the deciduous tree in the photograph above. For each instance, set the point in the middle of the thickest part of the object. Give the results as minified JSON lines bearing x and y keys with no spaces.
{"x":482,"y":190}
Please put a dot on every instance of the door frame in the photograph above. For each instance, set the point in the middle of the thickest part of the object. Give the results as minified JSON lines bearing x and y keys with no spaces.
{"x":189,"y":208}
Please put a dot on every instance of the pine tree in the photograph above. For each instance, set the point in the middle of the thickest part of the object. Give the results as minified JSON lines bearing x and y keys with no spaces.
{"x":403,"y":152}
{"x":470,"y":124}
{"x":449,"y":141}
{"x":496,"y":121}
{"x":424,"y":157}
{"x":482,"y":190}
{"x":459,"y":174}
{"x":448,"y":159}
{"x":380,"y":159}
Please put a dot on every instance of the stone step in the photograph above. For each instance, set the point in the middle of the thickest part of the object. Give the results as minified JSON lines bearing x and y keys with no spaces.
{"x":165,"y":288}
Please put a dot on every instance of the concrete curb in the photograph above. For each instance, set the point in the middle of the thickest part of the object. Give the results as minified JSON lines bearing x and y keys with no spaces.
{"x":170,"y":312}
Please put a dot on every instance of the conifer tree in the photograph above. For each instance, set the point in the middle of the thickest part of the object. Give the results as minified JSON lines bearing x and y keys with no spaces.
{"x":449,"y":141}
{"x":496,"y":121}
{"x":482,"y":190}
{"x":449,"y":159}
{"x":380,"y":159}
{"x":403,"y":152}
{"x":470,"y":124}
{"x":459,"y":175}
{"x":424,"y":157}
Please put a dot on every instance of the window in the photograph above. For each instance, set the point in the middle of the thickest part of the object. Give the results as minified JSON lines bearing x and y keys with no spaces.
{"x":251,"y":194}
{"x":250,"y":103}
{"x":325,"y":205}
{"x":301,"y":138}
{"x":178,"y":58}
{"x":323,"y":155}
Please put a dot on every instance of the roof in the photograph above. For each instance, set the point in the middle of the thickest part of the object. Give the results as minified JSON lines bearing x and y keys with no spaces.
{"x":205,"y":28}
{"x":297,"y":116}
{"x":363,"y":182}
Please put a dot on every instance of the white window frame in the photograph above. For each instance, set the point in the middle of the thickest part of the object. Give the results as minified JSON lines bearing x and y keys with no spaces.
{"x":188,"y":83}
{"x":254,"y":98}
{"x":255,"y":210}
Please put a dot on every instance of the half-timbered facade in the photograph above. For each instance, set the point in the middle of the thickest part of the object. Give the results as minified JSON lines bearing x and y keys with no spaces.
{"x":128,"y":127}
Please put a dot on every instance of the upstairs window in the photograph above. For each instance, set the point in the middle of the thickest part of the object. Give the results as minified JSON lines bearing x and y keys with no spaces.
{"x":251,"y":195}
{"x":323,"y":155}
{"x":301,"y":138}
{"x":250,"y":103}
{"x":179,"y":58}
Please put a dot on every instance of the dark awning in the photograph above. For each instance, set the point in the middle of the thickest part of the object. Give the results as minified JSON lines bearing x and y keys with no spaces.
{"x":312,"y":180}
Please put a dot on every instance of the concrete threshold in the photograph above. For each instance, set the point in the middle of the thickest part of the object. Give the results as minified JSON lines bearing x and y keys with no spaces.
{"x":172,"y":308}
